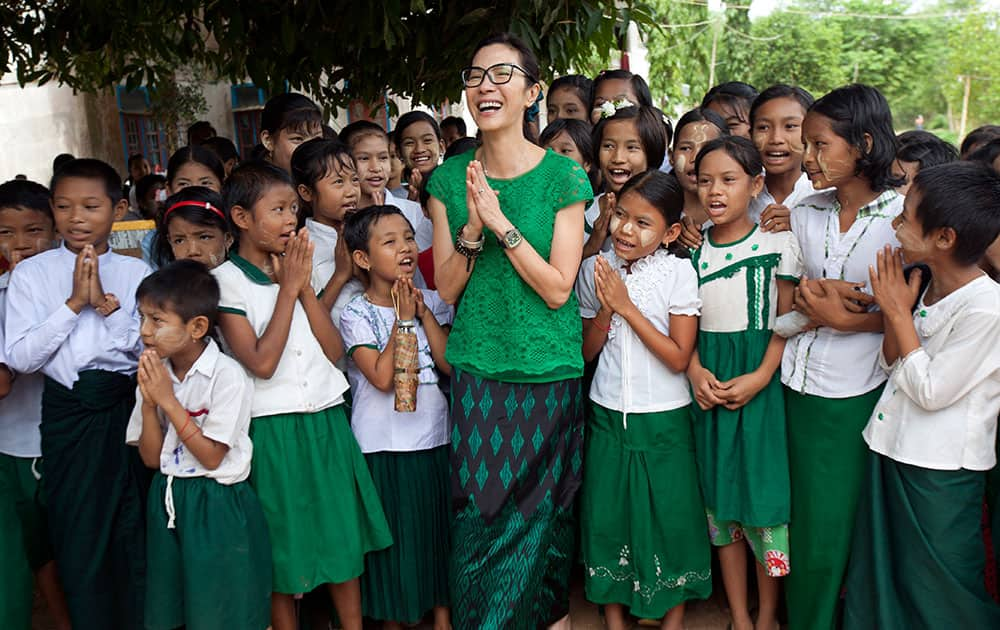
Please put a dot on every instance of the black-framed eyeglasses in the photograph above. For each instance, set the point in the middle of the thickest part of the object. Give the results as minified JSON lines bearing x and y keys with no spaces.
{"x":498,"y":74}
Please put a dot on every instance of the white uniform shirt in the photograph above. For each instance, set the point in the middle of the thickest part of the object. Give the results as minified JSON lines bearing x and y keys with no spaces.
{"x":305,"y":381}
{"x":803,"y":188}
{"x":376,"y":424}
{"x":21,"y":410}
{"x":43,"y":334}
{"x":630,"y":378}
{"x":216,"y":393}
{"x":737,"y":281}
{"x":827,"y":362}
{"x":939,"y":408}
{"x":324,"y":264}
{"x":590,"y":216}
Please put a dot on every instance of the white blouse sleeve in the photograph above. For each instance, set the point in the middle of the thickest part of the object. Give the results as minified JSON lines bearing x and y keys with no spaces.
{"x":790,"y":267}
{"x":684,"y":298}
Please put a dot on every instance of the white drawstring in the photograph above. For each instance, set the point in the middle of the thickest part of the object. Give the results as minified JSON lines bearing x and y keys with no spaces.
{"x":626,"y":333}
{"x":34,"y":470}
{"x":168,"y":502}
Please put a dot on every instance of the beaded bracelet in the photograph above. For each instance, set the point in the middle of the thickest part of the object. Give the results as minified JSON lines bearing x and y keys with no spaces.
{"x":470,"y":249}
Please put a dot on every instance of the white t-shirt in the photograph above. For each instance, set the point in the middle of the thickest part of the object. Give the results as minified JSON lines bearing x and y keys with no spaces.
{"x":324,"y":264}
{"x":827,"y":362}
{"x":376,"y":424}
{"x":217,"y":394}
{"x":803,"y":188}
{"x":21,"y":409}
{"x":630,"y":378}
{"x":939,"y":408}
{"x":737,"y":281}
{"x":43,"y":334}
{"x":305,"y":381}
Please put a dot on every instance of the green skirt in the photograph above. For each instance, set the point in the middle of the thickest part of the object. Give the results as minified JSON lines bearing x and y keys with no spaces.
{"x":644,"y":542}
{"x":517,"y":463}
{"x":743,"y":454}
{"x":409,"y":578}
{"x":213,"y":569}
{"x":323,"y":513}
{"x":24,"y":541}
{"x":827,"y":456}
{"x":95,"y":488}
{"x":918,"y":558}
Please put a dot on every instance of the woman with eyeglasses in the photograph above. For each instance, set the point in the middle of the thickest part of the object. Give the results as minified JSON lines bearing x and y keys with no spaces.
{"x":507,"y":223}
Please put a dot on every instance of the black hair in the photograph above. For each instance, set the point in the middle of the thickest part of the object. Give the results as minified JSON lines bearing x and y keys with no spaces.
{"x":222,"y":147}
{"x":358,"y":226}
{"x":986,"y":154}
{"x":457,"y":123}
{"x":184,"y":287}
{"x":577,"y":130}
{"x":652,"y":130}
{"x":577,"y":83}
{"x":529,"y":62}
{"x":26,"y":195}
{"x":358,"y":129}
{"x":963,"y":196}
{"x":198,"y":128}
{"x":978,"y":137}
{"x":637,"y":83}
{"x":458,"y":147}
{"x":701,"y":114}
{"x":198,"y":214}
{"x":135,"y":157}
{"x":90,"y":168}
{"x":780,"y":90}
{"x":61,"y":159}
{"x":410,"y":118}
{"x":925,"y":149}
{"x":315,"y":159}
{"x":145,"y":183}
{"x":199,"y":155}
{"x":290,"y":111}
{"x":663,"y":192}
{"x":858,"y":110}
{"x":425,"y":194}
{"x":247,"y":184}
{"x":739,"y":148}
{"x":328,"y":132}
{"x":735,"y":94}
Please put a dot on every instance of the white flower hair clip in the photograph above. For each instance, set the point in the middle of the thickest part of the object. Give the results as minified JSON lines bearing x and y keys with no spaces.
{"x":610,"y":108}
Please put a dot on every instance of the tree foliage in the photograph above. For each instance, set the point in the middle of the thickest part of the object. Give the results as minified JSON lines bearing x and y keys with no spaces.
{"x":337,"y":49}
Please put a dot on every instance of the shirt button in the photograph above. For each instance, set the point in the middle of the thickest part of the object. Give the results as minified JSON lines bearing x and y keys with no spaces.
{"x":298,"y":352}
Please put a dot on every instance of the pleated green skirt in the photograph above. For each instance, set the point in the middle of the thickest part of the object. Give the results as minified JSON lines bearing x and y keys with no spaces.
{"x":918,"y":556}
{"x":323,"y":512}
{"x":211,"y":570}
{"x":22,"y":530}
{"x":643,"y":534}
{"x":402,"y":582}
{"x":743,"y":453}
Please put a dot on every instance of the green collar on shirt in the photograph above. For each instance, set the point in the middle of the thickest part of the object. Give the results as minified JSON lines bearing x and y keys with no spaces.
{"x":248,"y":268}
{"x":874,"y":208}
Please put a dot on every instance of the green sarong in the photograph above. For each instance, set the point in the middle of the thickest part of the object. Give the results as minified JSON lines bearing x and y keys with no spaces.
{"x":94,"y":487}
{"x":18,"y":499}
{"x":826,"y":456}
{"x":918,"y":559}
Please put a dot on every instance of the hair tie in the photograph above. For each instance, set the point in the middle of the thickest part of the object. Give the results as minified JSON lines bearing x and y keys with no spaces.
{"x":533,"y":110}
{"x":194,"y":204}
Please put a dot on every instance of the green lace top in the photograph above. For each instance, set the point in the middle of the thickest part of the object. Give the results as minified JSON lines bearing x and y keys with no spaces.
{"x":503,"y":330}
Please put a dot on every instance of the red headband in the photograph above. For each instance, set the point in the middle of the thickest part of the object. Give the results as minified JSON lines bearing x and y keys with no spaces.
{"x":194,"y":204}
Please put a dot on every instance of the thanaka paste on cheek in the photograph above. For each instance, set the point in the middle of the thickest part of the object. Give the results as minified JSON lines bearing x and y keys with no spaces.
{"x":169,"y":335}
{"x":614,"y":223}
{"x":646,"y":237}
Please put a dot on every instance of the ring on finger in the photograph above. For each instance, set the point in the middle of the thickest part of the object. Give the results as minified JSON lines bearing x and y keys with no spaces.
{"x":481,"y":191}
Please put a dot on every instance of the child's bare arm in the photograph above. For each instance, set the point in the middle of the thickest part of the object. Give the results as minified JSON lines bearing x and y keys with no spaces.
{"x":595,"y":334}
{"x":6,"y":380}
{"x":151,"y":439}
{"x":377,"y":367}
{"x":260,"y":356}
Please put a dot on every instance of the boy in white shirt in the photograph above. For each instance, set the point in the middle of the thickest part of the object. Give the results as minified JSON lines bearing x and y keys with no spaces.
{"x":209,"y":552}
{"x":71,"y":315}
{"x":917,"y":559}
{"x":26,"y":228}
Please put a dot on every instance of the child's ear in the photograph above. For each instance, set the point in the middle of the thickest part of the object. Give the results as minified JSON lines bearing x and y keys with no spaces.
{"x":241,"y":217}
{"x":672,"y":234}
{"x":198,"y":327}
{"x":228,"y":240}
{"x":869,"y":143}
{"x":120,"y":209}
{"x":267,"y":140}
{"x":758,"y":185}
{"x":945,"y":239}
{"x":361,"y":259}
{"x":304,"y":192}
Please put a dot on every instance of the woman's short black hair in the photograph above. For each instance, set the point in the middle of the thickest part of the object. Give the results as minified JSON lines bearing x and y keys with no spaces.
{"x":925,"y":149}
{"x":653,"y":132}
{"x":90,"y":168}
{"x":529,"y":62}
{"x":701,"y":114}
{"x":185,"y":287}
{"x":26,"y":195}
{"x":742,"y":150}
{"x":637,"y":83}
{"x":856,"y":111}
{"x":978,"y":137}
{"x":963,"y":196}
{"x":411,"y":118}
{"x":198,"y":154}
{"x":358,"y":225}
{"x":782,"y":90}
{"x":206,"y":213}
{"x":577,"y":83}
